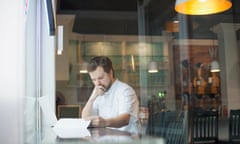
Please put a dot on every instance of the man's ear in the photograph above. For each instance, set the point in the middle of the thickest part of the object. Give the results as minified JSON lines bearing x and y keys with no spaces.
{"x":111,"y":73}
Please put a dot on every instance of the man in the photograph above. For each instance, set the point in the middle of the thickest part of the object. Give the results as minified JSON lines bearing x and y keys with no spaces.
{"x":112,"y":103}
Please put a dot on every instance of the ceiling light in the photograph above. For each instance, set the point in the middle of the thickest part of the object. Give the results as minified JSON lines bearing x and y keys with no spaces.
{"x":202,"y":7}
{"x":152,"y":67}
{"x":215,"y":66}
{"x":83,"y":67}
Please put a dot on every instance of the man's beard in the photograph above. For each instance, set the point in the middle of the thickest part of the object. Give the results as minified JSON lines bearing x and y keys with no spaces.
{"x":109,"y":86}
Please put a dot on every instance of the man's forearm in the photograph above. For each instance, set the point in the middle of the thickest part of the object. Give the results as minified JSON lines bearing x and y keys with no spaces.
{"x":118,"y":121}
{"x":87,"y":110}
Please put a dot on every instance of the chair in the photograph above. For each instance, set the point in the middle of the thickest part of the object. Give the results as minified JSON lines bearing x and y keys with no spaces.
{"x":204,"y":126}
{"x":234,"y":126}
{"x":69,"y":111}
{"x":155,"y":126}
{"x":177,"y":128}
{"x":169,"y":125}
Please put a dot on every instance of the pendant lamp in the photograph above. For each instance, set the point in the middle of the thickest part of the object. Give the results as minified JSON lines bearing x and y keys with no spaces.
{"x":83,"y":64}
{"x":215,"y":66}
{"x":83,"y":67}
{"x":153,"y":67}
{"x":202,"y":7}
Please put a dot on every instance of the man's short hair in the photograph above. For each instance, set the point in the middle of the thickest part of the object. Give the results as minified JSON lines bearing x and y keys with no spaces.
{"x":102,"y":61}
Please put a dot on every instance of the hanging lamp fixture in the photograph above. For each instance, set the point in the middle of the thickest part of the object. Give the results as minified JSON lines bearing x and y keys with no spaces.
{"x":153,"y":65}
{"x":202,"y":7}
{"x":83,"y":64}
{"x":83,"y":67}
{"x":215,"y":67}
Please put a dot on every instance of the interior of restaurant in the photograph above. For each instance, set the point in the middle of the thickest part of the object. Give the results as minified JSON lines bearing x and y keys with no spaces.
{"x":133,"y":34}
{"x":195,"y":55}
{"x":180,"y":56}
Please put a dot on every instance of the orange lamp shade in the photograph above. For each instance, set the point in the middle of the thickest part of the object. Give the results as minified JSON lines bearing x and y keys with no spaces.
{"x":202,"y":7}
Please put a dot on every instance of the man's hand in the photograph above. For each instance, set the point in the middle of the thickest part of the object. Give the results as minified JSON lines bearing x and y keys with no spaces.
{"x":97,"y":121}
{"x":100,"y":90}
{"x":97,"y":91}
{"x":116,"y":122}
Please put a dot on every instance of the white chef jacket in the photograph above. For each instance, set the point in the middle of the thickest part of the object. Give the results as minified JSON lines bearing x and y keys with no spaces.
{"x":119,"y":99}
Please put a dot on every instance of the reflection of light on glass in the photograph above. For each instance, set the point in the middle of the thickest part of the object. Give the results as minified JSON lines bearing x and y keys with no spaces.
{"x":132,"y":62}
{"x":114,"y":139}
{"x":59,"y":52}
{"x":60,"y":40}
{"x":176,"y":21}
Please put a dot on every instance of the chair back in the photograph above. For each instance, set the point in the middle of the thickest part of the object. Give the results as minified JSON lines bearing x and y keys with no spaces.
{"x":170,"y":125}
{"x":204,"y":126}
{"x":234,"y":125}
{"x":69,"y":111}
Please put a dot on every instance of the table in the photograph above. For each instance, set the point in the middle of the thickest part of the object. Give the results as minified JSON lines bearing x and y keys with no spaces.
{"x":101,"y":135}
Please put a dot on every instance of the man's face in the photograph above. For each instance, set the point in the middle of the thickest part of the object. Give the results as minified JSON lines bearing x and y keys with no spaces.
{"x":101,"y":78}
